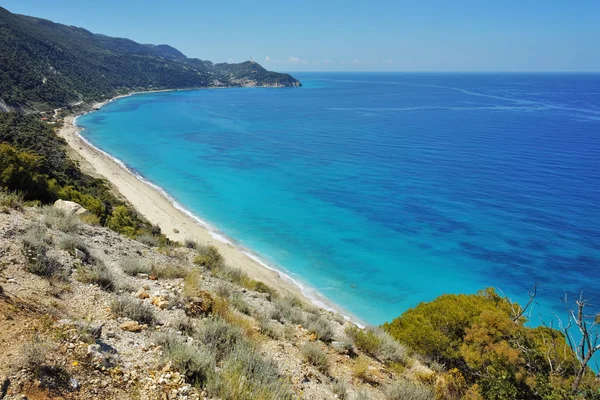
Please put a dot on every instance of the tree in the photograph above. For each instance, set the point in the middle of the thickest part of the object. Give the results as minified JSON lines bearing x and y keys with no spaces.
{"x":589,"y":344}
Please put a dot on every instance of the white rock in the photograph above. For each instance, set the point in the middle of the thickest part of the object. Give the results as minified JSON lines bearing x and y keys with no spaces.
{"x":70,"y":207}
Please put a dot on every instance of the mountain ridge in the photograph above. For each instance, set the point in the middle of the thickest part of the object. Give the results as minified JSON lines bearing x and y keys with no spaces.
{"x":46,"y":65}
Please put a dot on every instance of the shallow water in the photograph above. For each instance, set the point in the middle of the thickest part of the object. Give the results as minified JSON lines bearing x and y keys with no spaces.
{"x":385,"y":190}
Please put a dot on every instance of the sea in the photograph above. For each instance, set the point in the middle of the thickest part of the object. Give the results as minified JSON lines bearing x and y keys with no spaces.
{"x":378,"y":191}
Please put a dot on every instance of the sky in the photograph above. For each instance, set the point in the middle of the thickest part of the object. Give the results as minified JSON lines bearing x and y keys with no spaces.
{"x":349,"y":35}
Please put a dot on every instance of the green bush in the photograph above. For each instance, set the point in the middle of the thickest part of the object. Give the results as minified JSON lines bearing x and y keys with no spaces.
{"x":21,"y":171}
{"x":10,"y":199}
{"x":377,"y":343}
{"x":209,"y":257}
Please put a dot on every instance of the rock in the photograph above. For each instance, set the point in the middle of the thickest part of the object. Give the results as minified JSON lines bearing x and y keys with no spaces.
{"x":160,"y":302}
{"x":74,"y":384}
{"x":142,"y":294}
{"x":131,"y":326}
{"x":4,"y":384}
{"x":71,"y":207}
{"x":80,"y":254}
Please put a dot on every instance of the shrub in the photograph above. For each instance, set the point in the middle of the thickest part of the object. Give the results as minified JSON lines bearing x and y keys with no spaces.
{"x":315,"y":356}
{"x":408,"y":390}
{"x":339,"y":389}
{"x":320,"y":327}
{"x":360,"y":367}
{"x":21,"y":171}
{"x":185,"y":325}
{"x":122,"y":221}
{"x":169,"y":271}
{"x":59,"y":219}
{"x":35,"y":251}
{"x":90,"y":219}
{"x":133,"y":266}
{"x":70,"y":243}
{"x":10,"y":200}
{"x":272,"y":330}
{"x":286,"y":309}
{"x":190,"y":243}
{"x":97,"y":274}
{"x":237,"y":301}
{"x":220,"y":337}
{"x":194,"y":363}
{"x":362,"y":396}
{"x":209,"y":257}
{"x":224,"y":290}
{"x":245,"y":375}
{"x":377,"y":343}
{"x":123,"y":306}
{"x":148,"y":240}
{"x":451,"y":386}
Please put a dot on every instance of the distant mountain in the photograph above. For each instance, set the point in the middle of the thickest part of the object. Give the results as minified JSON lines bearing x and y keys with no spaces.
{"x":44,"y":65}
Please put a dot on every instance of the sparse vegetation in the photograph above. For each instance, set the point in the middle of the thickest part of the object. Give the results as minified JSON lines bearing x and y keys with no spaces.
{"x":377,"y":343}
{"x":35,"y":249}
{"x":408,"y":390}
{"x":196,"y":364}
{"x":320,"y":327}
{"x":133,"y":266}
{"x":339,"y":389}
{"x":360,"y":367}
{"x":315,"y":356}
{"x":248,"y":376}
{"x":220,"y":337}
{"x":168,"y":271}
{"x":10,"y":200}
{"x":58,"y":219}
{"x":209,"y":257}
{"x":97,"y":274}
{"x":135,"y":310}
{"x":70,"y":243}
{"x":287,"y":309}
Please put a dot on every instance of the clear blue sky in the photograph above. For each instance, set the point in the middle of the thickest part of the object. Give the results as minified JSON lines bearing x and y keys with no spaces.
{"x":418,"y":35}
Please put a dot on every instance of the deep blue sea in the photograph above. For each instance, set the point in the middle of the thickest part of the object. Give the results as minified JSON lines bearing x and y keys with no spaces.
{"x":384,"y":190}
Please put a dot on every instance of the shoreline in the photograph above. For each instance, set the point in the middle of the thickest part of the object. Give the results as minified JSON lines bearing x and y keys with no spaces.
{"x":177,"y":222}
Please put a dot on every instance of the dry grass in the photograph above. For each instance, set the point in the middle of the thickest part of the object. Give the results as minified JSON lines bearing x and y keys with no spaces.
{"x":315,"y":356}
{"x":133,"y":266}
{"x":135,"y":310}
{"x":360,"y":367}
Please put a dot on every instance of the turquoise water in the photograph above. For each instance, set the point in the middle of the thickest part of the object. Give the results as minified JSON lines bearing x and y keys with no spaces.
{"x":385,"y":190}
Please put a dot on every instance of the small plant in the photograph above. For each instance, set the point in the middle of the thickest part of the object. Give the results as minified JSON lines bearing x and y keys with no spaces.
{"x":168,"y":271}
{"x":247,"y":375}
{"x":10,"y":200}
{"x":320,"y":327}
{"x":190,"y":243}
{"x":191,"y":284}
{"x":90,"y":219}
{"x":317,"y":357}
{"x":35,"y":250}
{"x":133,"y":309}
{"x":272,"y":330}
{"x":362,"y":396}
{"x":339,"y":389}
{"x":209,"y":257}
{"x":70,"y":243}
{"x":360,"y":367}
{"x":133,"y":266}
{"x":238,"y":302}
{"x":185,"y":325}
{"x":285,"y":309}
{"x":148,"y":240}
{"x":97,"y":274}
{"x":59,"y":219}
{"x":378,"y":343}
{"x":196,"y":364}
{"x":408,"y":390}
{"x":220,"y":337}
{"x":224,"y":290}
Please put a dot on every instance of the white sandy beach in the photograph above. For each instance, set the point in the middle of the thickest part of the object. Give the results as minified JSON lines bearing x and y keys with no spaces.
{"x":159,"y":210}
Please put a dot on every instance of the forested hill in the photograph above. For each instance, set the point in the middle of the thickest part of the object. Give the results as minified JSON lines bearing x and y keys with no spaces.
{"x":45,"y":65}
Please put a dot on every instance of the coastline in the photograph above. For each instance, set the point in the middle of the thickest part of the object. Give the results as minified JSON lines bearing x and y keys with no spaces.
{"x":176,"y":222}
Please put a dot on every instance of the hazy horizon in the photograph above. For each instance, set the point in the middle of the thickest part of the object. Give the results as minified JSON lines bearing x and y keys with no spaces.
{"x":384,"y":36}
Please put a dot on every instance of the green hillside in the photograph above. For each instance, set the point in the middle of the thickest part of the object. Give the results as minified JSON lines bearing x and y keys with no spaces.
{"x":45,"y":65}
